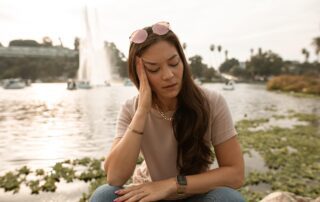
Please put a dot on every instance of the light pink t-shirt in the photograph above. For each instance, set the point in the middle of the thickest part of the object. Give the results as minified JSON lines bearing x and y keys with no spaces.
{"x":159,"y":146}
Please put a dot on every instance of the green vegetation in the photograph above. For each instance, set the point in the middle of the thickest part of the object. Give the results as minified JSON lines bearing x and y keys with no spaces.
{"x":201,"y":70}
{"x":47,"y":181}
{"x":299,"y":84}
{"x":92,"y":173}
{"x":47,"y":69}
{"x":291,"y":156}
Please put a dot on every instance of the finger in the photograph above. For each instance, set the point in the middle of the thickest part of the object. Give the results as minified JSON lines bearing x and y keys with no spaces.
{"x":137,"y":197}
{"x":139,"y":67}
{"x":141,"y":71}
{"x":129,"y":195}
{"x":127,"y":190}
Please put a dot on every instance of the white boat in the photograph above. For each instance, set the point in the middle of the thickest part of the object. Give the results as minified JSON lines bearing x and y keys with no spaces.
{"x":197,"y":81}
{"x":14,"y":84}
{"x":229,"y":85}
{"x":127,"y":82}
{"x":107,"y":83}
{"x":83,"y":85}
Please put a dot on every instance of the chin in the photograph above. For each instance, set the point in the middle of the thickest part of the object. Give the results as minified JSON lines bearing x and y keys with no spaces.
{"x":172,"y":94}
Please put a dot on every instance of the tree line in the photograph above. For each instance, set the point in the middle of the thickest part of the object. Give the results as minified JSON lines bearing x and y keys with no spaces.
{"x":261,"y":64}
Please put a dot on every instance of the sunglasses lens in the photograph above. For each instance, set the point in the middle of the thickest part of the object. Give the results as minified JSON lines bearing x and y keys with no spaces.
{"x":139,"y":36}
{"x":160,"y":28}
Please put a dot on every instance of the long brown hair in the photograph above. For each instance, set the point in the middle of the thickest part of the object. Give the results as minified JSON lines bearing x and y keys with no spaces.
{"x":191,"y":119}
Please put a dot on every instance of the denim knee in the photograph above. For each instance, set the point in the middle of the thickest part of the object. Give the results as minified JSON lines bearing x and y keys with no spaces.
{"x":104,"y":193}
{"x":219,"y":194}
{"x":224,"y":194}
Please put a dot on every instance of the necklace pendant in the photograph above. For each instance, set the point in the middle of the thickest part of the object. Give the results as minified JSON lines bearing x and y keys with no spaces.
{"x":163,"y":115}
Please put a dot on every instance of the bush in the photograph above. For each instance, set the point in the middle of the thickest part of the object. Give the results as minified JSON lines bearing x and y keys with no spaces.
{"x":300,"y":84}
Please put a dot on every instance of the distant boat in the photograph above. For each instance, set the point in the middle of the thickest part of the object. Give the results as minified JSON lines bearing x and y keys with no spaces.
{"x":197,"y":81}
{"x":107,"y":83}
{"x":14,"y":84}
{"x":83,"y":85}
{"x":127,"y":82}
{"x":229,"y":85}
{"x":71,"y":84}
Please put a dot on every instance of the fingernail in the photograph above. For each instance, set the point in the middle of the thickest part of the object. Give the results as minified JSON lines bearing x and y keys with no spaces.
{"x":117,"y":192}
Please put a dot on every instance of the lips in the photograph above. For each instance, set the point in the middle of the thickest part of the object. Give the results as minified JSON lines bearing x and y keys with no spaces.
{"x":170,"y":86}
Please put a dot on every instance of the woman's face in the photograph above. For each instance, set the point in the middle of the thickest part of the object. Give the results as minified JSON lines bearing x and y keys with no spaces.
{"x":164,"y":69}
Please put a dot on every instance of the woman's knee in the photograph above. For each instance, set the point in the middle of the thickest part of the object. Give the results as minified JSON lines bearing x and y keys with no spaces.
{"x":225,"y":194}
{"x":104,"y":193}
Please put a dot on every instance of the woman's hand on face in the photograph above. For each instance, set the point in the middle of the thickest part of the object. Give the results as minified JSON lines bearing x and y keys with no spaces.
{"x":152,"y":191}
{"x":145,"y":95}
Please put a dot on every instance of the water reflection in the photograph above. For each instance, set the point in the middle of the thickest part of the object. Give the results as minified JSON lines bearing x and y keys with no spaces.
{"x":46,"y":123}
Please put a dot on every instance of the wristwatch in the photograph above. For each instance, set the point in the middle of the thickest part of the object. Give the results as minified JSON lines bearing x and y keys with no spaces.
{"x":181,"y":185}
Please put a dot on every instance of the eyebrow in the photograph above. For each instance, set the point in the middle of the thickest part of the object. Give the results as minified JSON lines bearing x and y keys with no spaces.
{"x":154,"y":63}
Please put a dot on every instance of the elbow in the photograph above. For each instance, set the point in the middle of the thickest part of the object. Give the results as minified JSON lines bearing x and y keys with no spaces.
{"x":238,"y":180}
{"x":115,"y":181}
{"x":238,"y":183}
{"x":105,"y":166}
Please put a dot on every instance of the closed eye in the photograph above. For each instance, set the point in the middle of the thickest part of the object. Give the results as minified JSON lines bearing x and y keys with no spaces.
{"x":176,"y":64}
{"x":153,"y":70}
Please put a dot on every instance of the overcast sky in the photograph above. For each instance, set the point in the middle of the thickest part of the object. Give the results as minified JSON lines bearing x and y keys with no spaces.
{"x":283,"y":26}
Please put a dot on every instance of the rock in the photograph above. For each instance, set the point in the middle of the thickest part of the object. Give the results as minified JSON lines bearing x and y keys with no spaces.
{"x":287,"y":197}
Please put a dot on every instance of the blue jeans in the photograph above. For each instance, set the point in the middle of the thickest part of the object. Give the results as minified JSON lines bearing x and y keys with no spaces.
{"x":105,"y":193}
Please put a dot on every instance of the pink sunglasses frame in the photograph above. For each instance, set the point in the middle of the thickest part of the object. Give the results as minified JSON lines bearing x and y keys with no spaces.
{"x":139,"y":36}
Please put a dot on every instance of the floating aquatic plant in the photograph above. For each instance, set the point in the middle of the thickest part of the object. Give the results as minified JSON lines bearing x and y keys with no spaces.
{"x":291,"y":155}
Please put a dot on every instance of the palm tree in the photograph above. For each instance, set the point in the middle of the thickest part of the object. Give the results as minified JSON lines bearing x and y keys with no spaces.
{"x":184,"y":46}
{"x":306,"y":53}
{"x":212,"y":49}
{"x":226,"y":54}
{"x":260,"y":51}
{"x":76,"y":43}
{"x":219,"y":48}
{"x":316,"y":44}
{"x":251,"y":51}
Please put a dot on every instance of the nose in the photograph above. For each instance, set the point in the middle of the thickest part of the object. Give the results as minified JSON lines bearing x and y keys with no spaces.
{"x":167,"y":73}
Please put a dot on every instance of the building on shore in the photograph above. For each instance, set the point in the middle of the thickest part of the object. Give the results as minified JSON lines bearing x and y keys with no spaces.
{"x":22,"y":51}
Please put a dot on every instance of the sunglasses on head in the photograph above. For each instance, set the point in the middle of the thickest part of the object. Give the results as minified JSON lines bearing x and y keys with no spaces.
{"x":140,"y":35}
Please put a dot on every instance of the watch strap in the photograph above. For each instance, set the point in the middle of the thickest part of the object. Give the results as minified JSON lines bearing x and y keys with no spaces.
{"x":181,"y":184}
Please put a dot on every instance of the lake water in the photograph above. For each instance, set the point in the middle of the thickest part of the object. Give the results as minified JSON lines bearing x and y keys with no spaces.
{"x":45,"y":123}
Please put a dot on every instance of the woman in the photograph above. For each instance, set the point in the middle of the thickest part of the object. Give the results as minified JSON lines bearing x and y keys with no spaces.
{"x":173,"y":123}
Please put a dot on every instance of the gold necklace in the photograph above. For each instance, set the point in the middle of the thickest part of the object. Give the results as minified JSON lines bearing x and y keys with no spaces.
{"x":163,"y":115}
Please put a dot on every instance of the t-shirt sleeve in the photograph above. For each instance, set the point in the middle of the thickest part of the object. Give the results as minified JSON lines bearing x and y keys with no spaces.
{"x":124,"y":117}
{"x":221,"y":124}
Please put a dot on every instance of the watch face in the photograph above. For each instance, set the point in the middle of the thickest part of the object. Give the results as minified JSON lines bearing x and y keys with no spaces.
{"x":182,"y":180}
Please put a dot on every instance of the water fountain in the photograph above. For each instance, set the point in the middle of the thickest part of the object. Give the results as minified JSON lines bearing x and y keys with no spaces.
{"x":94,"y":66}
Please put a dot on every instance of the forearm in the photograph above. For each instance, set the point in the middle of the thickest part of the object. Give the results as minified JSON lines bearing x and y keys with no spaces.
{"x":121,"y":161}
{"x":232,"y":177}
{"x":202,"y":183}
